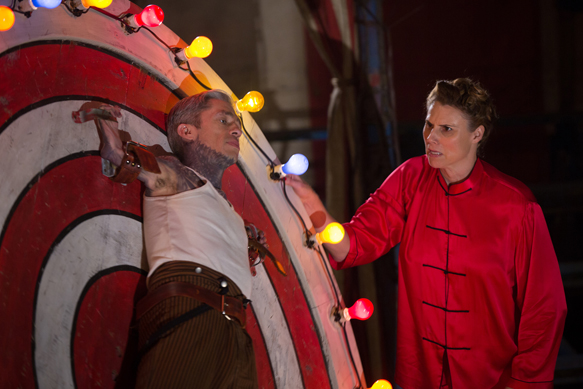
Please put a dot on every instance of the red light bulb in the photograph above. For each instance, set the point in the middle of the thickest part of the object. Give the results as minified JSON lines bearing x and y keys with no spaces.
{"x":361,"y":310}
{"x":151,"y":16}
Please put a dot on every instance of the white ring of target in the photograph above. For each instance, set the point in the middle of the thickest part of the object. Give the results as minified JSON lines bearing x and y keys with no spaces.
{"x":73,"y":262}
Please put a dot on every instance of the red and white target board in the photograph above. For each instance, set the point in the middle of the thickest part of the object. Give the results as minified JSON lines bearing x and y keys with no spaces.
{"x":72,"y":262}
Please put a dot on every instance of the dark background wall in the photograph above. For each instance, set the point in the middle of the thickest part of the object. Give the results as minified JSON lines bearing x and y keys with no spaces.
{"x":529,"y":55}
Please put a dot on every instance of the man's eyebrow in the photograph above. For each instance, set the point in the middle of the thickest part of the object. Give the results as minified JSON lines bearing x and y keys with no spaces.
{"x":225,"y":112}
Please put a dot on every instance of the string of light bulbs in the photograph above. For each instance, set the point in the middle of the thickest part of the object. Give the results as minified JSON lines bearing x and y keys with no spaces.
{"x":324,"y":258}
{"x":151,"y":16}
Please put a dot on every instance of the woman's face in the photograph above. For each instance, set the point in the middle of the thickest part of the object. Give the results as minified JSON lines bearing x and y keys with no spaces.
{"x":450,"y":143}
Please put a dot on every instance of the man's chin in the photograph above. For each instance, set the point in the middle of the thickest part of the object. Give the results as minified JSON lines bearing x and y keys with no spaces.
{"x":229,"y":160}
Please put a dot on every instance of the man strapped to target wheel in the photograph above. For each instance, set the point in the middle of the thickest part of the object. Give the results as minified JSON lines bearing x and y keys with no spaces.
{"x":191,"y":323}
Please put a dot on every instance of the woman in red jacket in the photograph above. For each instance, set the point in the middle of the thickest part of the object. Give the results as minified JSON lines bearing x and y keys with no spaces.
{"x":481,"y":302}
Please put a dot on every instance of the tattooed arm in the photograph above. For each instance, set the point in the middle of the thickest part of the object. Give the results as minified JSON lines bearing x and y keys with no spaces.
{"x":174,"y":176}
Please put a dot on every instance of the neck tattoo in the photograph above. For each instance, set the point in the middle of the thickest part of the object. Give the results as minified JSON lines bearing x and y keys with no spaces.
{"x":208,"y":162}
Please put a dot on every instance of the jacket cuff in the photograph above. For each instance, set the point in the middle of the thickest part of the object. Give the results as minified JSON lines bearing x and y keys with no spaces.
{"x":352,"y":253}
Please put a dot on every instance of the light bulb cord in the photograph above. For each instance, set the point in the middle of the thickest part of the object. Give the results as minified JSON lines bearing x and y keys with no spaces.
{"x":124,"y":22}
{"x":13,"y":8}
{"x":271,"y":163}
{"x":75,"y":12}
{"x":308,"y":234}
{"x":324,"y":259}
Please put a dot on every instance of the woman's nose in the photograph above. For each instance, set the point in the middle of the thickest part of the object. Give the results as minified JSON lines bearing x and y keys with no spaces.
{"x":431,"y":137}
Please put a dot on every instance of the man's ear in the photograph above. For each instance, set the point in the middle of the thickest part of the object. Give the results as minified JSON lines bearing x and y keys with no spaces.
{"x":478,"y":134}
{"x":187,"y":131}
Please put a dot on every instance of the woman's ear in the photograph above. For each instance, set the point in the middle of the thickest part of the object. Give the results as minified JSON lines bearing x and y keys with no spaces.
{"x":187,"y":131}
{"x":478,"y":134}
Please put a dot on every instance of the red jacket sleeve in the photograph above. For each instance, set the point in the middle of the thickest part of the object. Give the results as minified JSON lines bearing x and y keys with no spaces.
{"x":378,"y":224}
{"x":541,"y":305}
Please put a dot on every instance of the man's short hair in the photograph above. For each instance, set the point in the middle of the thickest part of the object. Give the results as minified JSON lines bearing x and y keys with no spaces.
{"x":187,"y":111}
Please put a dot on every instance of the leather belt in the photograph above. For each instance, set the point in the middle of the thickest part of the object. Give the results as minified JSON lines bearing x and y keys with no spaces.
{"x":229,"y":306}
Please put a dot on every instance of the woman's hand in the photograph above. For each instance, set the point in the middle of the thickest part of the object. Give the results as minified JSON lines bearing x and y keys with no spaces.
{"x":309,"y":198}
{"x":318,"y":215}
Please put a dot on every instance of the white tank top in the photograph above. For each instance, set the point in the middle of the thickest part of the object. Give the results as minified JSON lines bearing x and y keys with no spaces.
{"x":199,"y":226}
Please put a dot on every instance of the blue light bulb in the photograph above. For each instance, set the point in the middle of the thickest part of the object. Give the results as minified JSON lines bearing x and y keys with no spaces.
{"x":297,"y":164}
{"x":50,"y":4}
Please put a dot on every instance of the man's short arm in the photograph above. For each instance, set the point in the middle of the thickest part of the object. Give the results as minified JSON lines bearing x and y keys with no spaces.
{"x":173,"y":178}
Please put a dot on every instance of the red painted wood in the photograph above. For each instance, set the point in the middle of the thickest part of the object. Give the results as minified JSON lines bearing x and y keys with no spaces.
{"x":62,"y":195}
{"x":105,"y":345}
{"x":264,"y":373}
{"x":288,"y":288}
{"x":49,"y":70}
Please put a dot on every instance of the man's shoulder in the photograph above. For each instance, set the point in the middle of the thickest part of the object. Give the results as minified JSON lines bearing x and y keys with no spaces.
{"x":175,"y":178}
{"x":170,"y":158}
{"x":177,"y":166}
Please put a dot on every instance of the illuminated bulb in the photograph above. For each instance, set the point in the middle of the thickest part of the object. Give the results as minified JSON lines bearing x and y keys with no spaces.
{"x":252,"y":102}
{"x":297,"y":164}
{"x":50,"y":4}
{"x":96,"y":3}
{"x":382,"y":384}
{"x":361,"y":310}
{"x":6,"y":18}
{"x":333,"y":233}
{"x":151,"y":16}
{"x":200,"y":47}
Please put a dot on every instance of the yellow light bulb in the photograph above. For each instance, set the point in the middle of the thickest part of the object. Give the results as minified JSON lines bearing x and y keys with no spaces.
{"x":6,"y":18}
{"x":382,"y":384}
{"x":96,"y":3}
{"x":252,"y":102}
{"x":333,"y":233}
{"x":200,"y":47}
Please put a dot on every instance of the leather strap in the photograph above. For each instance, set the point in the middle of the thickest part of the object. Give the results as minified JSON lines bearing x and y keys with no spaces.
{"x":168,"y":326}
{"x":229,"y":306}
{"x":252,"y":244}
{"x":136,"y":157}
{"x":129,"y":169}
{"x":145,"y":157}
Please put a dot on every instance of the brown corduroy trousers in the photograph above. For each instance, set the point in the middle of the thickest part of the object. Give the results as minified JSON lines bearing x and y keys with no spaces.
{"x":207,"y":351}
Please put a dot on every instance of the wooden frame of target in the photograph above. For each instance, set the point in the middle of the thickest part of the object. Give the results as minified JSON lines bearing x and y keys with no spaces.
{"x":72,"y":261}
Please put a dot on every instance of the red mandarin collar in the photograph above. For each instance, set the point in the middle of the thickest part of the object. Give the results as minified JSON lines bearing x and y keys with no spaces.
{"x":466,"y":185}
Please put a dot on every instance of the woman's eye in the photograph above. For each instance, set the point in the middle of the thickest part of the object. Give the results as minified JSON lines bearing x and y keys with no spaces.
{"x":224,"y":121}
